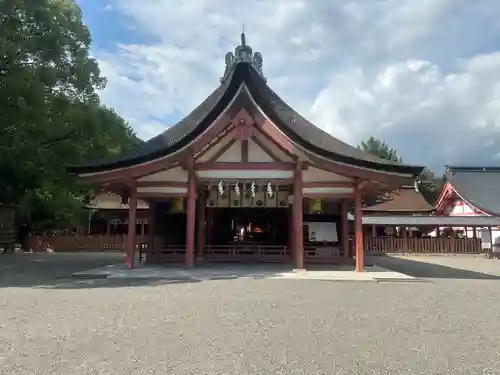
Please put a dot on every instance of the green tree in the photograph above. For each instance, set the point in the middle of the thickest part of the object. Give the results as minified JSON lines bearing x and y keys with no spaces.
{"x":430,"y":185}
{"x":51,"y":116}
{"x":379,"y":148}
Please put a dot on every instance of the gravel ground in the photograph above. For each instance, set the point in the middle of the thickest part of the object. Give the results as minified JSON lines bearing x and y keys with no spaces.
{"x":247,"y":326}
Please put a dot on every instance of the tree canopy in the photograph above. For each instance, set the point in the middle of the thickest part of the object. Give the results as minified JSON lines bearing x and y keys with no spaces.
{"x":50,"y":111}
{"x":430,"y":186}
{"x":379,"y":148}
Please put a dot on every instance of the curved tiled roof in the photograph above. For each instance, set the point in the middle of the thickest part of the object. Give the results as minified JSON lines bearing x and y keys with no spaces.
{"x":289,"y":121}
{"x":404,"y":200}
{"x":478,"y":186}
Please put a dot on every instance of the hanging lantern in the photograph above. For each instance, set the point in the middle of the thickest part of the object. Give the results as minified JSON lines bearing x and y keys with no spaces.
{"x":177,"y":205}
{"x":315,"y":205}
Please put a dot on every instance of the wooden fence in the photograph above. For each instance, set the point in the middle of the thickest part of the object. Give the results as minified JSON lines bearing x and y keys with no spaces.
{"x":422,"y":245}
{"x":271,"y":253}
{"x":63,"y":242}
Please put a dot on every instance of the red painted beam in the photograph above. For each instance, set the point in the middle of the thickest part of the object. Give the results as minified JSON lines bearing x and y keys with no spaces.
{"x":244,"y":166}
{"x":162,"y":184}
{"x":327,"y":184}
{"x":328,"y":196}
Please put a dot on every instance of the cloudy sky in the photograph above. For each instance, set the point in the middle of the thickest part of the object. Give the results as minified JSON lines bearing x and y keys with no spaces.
{"x":422,"y":74}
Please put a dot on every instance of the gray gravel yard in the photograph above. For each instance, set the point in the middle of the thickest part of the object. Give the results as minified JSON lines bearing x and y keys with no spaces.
{"x":52,"y":324}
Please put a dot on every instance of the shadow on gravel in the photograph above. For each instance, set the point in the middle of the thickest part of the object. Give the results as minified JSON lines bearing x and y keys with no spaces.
{"x":427,"y":270}
{"x":55,"y":271}
{"x":78,"y":283}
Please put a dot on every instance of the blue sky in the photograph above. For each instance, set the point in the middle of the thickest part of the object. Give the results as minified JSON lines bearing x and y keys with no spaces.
{"x":422,"y":74}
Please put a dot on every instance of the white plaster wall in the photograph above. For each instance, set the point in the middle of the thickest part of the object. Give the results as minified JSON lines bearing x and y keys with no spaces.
{"x":175,"y":174}
{"x":161,"y":190}
{"x":214,"y":149}
{"x":273,"y":148}
{"x":257,"y":155}
{"x":232,"y":155}
{"x":461,"y":208}
{"x":317,"y":175}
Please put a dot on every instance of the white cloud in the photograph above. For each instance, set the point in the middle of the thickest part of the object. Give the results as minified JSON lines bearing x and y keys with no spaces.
{"x":422,"y":111}
{"x":422,"y":74}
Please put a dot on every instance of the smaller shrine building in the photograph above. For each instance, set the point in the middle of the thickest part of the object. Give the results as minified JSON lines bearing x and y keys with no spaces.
{"x":471,"y":191}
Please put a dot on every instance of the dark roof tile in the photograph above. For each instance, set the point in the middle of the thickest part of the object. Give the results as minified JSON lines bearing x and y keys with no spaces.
{"x":479,"y":186}
{"x":406,"y":199}
{"x":290,"y":122}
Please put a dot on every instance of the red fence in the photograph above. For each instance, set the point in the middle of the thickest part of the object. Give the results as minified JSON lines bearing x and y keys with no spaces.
{"x":249,"y":253}
{"x":77,"y":242}
{"x":263,"y":253}
{"x":423,"y":245}
{"x":241,"y":253}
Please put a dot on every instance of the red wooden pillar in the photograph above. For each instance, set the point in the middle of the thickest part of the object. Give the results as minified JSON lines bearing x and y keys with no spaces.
{"x":132,"y":215}
{"x":202,"y":228}
{"x":291,"y":235}
{"x":298,"y":244}
{"x":151,"y":229}
{"x":190,"y":217}
{"x":345,"y":228}
{"x":358,"y":223}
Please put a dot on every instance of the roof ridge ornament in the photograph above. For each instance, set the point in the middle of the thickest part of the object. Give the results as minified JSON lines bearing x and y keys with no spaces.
{"x":243,"y":54}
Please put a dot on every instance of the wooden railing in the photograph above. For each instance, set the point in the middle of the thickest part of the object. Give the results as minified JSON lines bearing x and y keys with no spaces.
{"x":422,"y":245}
{"x":63,"y":242}
{"x":166,"y":253}
{"x":241,"y":253}
{"x":323,"y":254}
{"x":254,"y":252}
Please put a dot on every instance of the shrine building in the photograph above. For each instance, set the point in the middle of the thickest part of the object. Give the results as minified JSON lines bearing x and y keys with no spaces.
{"x":245,"y":178}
